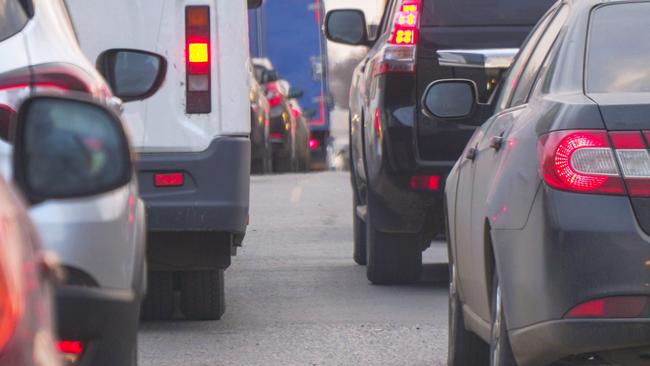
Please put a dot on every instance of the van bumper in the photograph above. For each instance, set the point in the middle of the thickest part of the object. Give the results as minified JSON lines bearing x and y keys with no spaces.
{"x":214,"y":196}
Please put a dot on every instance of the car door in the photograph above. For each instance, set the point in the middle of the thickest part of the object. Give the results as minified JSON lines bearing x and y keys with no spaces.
{"x":491,"y":149}
{"x":469,"y":285}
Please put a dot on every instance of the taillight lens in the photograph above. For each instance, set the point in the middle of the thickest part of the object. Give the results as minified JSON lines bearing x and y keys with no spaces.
{"x":610,"y":307}
{"x":198,"y":59}
{"x":169,"y":179}
{"x":314,"y":144}
{"x":11,"y":281}
{"x":425,"y":182}
{"x":71,"y":351}
{"x":398,"y":55}
{"x":593,"y":161}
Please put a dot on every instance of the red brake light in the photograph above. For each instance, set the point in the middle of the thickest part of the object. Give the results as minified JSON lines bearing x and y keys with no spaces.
{"x":313,"y":143}
{"x":580,"y":161}
{"x":169,"y":179}
{"x":610,"y":307}
{"x":585,"y":161}
{"x":398,"y":55}
{"x":425,"y":182}
{"x":198,"y":59}
{"x":70,"y":347}
{"x":11,"y":282}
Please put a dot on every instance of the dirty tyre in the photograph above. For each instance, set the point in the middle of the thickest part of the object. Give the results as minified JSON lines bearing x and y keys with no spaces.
{"x":159,"y":302}
{"x":202,"y":294}
{"x":465,"y":347}
{"x":500,"y":348}
{"x":393,"y":259}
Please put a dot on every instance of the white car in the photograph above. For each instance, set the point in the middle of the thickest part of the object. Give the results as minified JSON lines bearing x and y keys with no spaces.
{"x":192,"y":136}
{"x":100,"y":239}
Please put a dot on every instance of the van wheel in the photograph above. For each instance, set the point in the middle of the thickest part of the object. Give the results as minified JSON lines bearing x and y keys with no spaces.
{"x":392,"y":258}
{"x":464,"y":347}
{"x":202,"y":294}
{"x":500,"y":349}
{"x":159,"y":302}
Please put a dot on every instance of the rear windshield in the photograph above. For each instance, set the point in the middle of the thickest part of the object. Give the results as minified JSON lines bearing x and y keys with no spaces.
{"x":618,"y":58}
{"x":484,"y":12}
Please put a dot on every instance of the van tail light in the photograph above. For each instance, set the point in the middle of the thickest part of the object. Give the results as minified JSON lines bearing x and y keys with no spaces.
{"x":273,"y":94}
{"x":398,"y":54}
{"x":610,"y":307}
{"x":17,"y":85}
{"x":313,"y":143}
{"x":11,"y":282}
{"x":169,"y":179}
{"x":198,"y":60}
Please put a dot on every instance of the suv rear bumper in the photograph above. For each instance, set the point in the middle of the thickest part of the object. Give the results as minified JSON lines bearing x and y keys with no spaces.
{"x":215,"y":193}
{"x":106,"y":321}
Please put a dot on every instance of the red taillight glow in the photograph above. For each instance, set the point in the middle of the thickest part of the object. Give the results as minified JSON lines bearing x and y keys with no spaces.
{"x":276,"y":136}
{"x":70,"y":347}
{"x":12,"y":280}
{"x":610,"y":307}
{"x":313,"y":143}
{"x":198,"y":59}
{"x":407,"y":21}
{"x":586,"y":161}
{"x":580,"y":161}
{"x":425,"y":182}
{"x":398,"y":55}
{"x":169,"y":179}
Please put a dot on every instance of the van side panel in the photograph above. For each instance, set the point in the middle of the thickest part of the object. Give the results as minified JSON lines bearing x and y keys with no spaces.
{"x":160,"y":124}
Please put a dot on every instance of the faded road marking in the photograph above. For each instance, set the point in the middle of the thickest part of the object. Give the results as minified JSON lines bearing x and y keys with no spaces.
{"x":296,"y":193}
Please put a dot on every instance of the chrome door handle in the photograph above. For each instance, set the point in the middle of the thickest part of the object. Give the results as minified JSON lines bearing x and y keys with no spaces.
{"x":496,"y":142}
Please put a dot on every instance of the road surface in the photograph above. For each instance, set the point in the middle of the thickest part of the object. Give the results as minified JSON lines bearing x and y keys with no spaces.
{"x":295,"y":297}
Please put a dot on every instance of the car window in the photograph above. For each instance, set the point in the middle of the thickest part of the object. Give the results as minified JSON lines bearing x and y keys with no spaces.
{"x":512,"y":79}
{"x":483,"y":12}
{"x":530,"y":72}
{"x":13,"y":17}
{"x":618,"y":52}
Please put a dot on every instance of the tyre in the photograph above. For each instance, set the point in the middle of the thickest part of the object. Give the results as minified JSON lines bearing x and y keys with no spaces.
{"x":465,"y":348}
{"x":202,"y":294}
{"x":359,"y":234}
{"x":393,"y":259}
{"x":500,"y":349}
{"x":159,"y":302}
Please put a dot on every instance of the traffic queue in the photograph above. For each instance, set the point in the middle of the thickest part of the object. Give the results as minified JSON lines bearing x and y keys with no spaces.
{"x":513,"y":132}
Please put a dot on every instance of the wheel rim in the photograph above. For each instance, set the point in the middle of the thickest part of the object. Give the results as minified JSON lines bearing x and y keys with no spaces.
{"x":496,"y":329}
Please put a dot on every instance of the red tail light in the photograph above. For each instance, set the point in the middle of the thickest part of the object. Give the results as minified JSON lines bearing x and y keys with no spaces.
{"x":313,"y":143}
{"x":71,"y":351}
{"x":425,"y":182}
{"x":169,"y":179}
{"x":11,"y":283}
{"x":198,"y":60}
{"x":610,"y":307}
{"x":276,"y":136}
{"x":398,"y":55}
{"x":586,"y":161}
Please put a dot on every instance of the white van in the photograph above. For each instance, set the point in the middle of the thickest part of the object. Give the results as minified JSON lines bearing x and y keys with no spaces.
{"x":192,"y":137}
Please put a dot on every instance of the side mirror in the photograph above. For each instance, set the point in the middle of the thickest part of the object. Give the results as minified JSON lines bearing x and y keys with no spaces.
{"x":454,"y":98}
{"x":132,"y":75}
{"x":69,"y":148}
{"x":254,"y":4}
{"x":295,"y":93}
{"x":270,"y":76}
{"x":347,"y":26}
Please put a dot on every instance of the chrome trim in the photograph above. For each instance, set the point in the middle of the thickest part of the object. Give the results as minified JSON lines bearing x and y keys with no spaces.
{"x":495,"y":58}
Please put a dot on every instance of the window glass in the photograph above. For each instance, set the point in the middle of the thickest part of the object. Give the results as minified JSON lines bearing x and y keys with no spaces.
{"x":618,"y":51}
{"x":512,"y":79}
{"x":529,"y":74}
{"x":12,"y":18}
{"x":483,"y":12}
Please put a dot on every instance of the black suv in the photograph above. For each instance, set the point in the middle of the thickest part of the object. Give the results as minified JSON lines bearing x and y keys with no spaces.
{"x":399,"y":158}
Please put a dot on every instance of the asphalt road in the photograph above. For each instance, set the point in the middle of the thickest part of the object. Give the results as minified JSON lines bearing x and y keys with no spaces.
{"x":295,"y":297}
